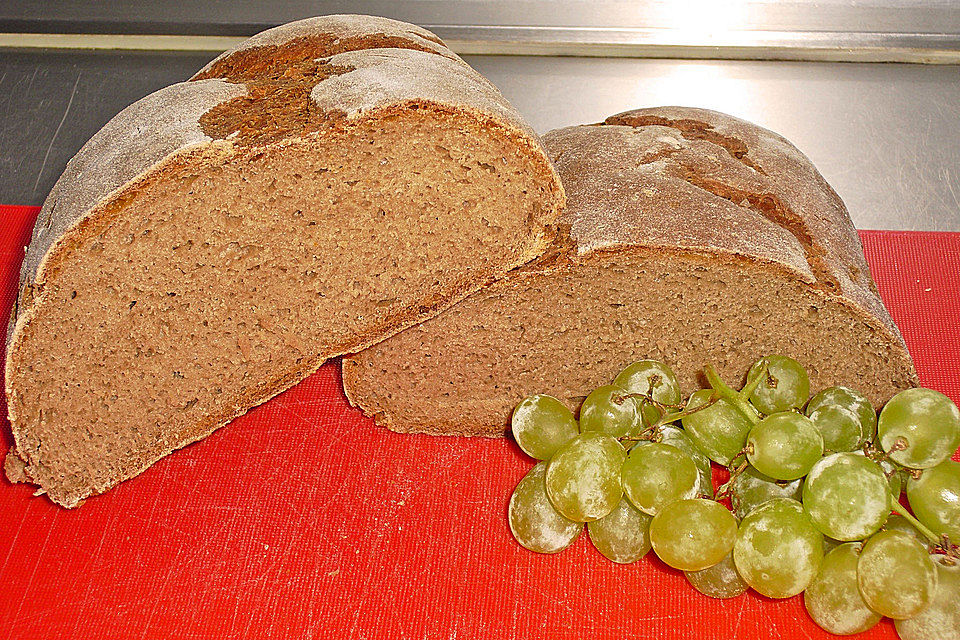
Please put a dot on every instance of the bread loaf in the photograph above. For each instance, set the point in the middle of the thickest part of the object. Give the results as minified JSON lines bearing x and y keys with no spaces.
{"x":690,"y":237}
{"x":320,"y":187}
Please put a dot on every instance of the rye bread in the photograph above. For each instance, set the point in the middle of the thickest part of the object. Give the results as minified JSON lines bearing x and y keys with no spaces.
{"x":320,"y":187}
{"x":690,"y":237}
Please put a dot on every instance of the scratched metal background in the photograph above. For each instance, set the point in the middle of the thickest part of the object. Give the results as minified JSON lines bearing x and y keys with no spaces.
{"x":885,"y":135}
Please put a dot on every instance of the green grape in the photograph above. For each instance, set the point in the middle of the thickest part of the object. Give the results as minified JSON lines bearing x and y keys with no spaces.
{"x":623,"y":535}
{"x":853,"y":401}
{"x":607,"y":410}
{"x":751,"y":489}
{"x":935,"y":499}
{"x":784,"y":445}
{"x":941,"y":619}
{"x":897,"y":522}
{"x":681,"y":440}
{"x":691,"y":535}
{"x":657,"y":474}
{"x":786,"y":386}
{"x":719,"y":431}
{"x":535,"y":524}
{"x":919,"y":428}
{"x":839,"y":427}
{"x":833,"y":599}
{"x":542,"y":424}
{"x":583,"y":476}
{"x":719,"y":581}
{"x":897,"y":578}
{"x":653,"y":378}
{"x":778,"y":550}
{"x":847,"y":496}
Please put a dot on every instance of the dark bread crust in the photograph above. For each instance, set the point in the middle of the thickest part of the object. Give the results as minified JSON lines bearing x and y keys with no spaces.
{"x":684,"y":184}
{"x":222,"y":121}
{"x":762,"y":174}
{"x":764,"y":197}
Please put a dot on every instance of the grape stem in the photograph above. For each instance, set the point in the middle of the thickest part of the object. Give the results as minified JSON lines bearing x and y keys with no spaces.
{"x":650,"y":432}
{"x":871,"y":451}
{"x":724,"y":490}
{"x":673,"y":417}
{"x":645,"y":398}
{"x":952,"y":551}
{"x":754,"y":382}
{"x":722,"y":390}
{"x":899,"y":508}
{"x":899,"y":444}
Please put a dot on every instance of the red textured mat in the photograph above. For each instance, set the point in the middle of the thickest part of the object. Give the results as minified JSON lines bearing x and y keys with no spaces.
{"x":303,"y":520}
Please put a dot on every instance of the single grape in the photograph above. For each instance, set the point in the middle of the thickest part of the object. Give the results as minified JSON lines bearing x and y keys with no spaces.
{"x":919,"y":428}
{"x":935,"y":499}
{"x":691,"y":535}
{"x":897,"y":578}
{"x":847,"y":496}
{"x":623,"y":535}
{"x":681,"y":440}
{"x":719,"y":581}
{"x":719,"y":431}
{"x":839,"y":427}
{"x":778,"y":550}
{"x":535,"y":523}
{"x":654,"y":379}
{"x":833,"y":599}
{"x":583,"y":476}
{"x":785,"y":387}
{"x":851,"y":400}
{"x":751,"y":489}
{"x":897,"y":522}
{"x":784,"y":445}
{"x":541,"y":424}
{"x":607,"y":410}
{"x":657,"y":474}
{"x":941,"y":619}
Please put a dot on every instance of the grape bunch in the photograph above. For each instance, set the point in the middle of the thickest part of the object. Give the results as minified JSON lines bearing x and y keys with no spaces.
{"x":814,"y":491}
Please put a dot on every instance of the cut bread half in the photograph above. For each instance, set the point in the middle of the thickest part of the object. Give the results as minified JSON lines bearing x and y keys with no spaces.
{"x":307,"y":194}
{"x":691,"y":237}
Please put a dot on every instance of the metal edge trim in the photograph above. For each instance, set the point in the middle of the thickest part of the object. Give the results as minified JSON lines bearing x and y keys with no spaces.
{"x":588,"y":42}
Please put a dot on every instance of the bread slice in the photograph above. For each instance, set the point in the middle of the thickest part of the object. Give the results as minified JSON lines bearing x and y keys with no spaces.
{"x":307,"y":194}
{"x":691,"y":237}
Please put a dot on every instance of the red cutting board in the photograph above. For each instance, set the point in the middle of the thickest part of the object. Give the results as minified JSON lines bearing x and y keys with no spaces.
{"x":304,"y":520}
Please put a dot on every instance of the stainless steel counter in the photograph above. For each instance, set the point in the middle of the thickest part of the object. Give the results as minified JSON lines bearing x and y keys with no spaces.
{"x":885,"y":135}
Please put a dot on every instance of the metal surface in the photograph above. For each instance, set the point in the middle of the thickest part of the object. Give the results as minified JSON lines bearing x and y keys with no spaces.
{"x":830,"y":46}
{"x":706,"y":17}
{"x":837,"y":30}
{"x":53,"y":102}
{"x":884,"y":135}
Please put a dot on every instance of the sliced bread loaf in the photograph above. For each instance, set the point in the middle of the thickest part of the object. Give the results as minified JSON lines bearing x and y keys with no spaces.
{"x":318,"y":188}
{"x":691,"y":237}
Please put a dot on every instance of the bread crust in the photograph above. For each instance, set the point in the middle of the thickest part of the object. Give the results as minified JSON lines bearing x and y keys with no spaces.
{"x":694,"y":160}
{"x":677,"y":181}
{"x":160,"y":133}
